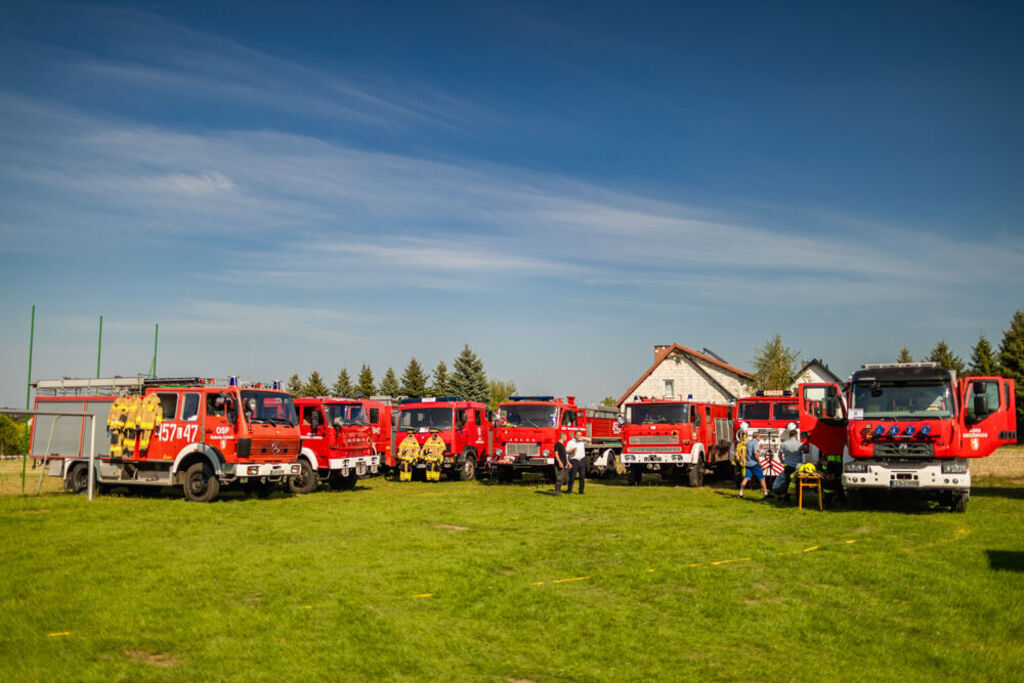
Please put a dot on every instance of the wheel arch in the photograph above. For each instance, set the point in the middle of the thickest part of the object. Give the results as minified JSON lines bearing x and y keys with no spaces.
{"x":194,"y":453}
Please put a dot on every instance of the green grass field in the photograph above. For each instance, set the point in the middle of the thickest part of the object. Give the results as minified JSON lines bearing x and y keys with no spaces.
{"x":479,"y":581}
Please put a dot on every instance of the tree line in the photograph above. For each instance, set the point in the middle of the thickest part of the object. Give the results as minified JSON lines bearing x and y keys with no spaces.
{"x":467,"y":380}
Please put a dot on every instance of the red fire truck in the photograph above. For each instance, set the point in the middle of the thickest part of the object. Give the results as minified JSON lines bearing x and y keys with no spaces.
{"x":909,"y":427}
{"x":464,"y":426}
{"x":767,"y":415}
{"x":201,"y":436}
{"x":381,"y":413}
{"x":528,"y":427}
{"x":337,"y":443}
{"x":675,"y":438}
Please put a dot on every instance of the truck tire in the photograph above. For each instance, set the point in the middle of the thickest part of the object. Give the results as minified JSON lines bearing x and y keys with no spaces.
{"x":305,"y":481}
{"x":78,"y":478}
{"x":201,"y":484}
{"x":609,"y":464}
{"x":636,"y":474}
{"x":697,"y":472}
{"x":465,"y":467}
{"x":340,"y":483}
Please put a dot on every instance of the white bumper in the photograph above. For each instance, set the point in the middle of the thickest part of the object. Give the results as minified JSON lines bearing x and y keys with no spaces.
{"x":522,"y":461}
{"x":923,"y":476}
{"x":360,"y":465}
{"x":266,"y":469}
{"x":638,"y":458}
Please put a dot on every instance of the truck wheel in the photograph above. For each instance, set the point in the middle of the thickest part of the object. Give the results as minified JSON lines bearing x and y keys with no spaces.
{"x":466,"y":467}
{"x":697,"y":472}
{"x":340,"y":483}
{"x":78,"y":478}
{"x":959,"y":503}
{"x":305,"y":480}
{"x":201,"y":484}
{"x":636,"y":475}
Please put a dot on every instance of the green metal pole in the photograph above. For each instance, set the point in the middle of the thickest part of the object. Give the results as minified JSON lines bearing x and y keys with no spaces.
{"x":156,"y":338}
{"x":99,"y":350}
{"x":28,"y":392}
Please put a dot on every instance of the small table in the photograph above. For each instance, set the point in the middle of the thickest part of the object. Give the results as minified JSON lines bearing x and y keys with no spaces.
{"x":809,"y":481}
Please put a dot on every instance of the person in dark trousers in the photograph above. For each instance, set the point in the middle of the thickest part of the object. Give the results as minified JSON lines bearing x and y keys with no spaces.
{"x":792,"y":457}
{"x":577,"y":450}
{"x":561,"y":464}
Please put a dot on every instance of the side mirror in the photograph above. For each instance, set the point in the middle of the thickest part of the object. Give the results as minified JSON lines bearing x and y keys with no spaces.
{"x":981,"y":410}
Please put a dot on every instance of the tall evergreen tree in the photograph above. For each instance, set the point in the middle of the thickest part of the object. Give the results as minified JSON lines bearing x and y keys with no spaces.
{"x":905,"y":356}
{"x":314,"y":386}
{"x":440,"y":385}
{"x":343,"y":385}
{"x":775,"y":365}
{"x":945,"y":357}
{"x":295,"y":385}
{"x":1011,"y":363}
{"x":366,"y":386}
{"x":983,"y":361}
{"x":414,"y":382}
{"x":468,"y":378}
{"x":500,"y":391}
{"x":389,"y":385}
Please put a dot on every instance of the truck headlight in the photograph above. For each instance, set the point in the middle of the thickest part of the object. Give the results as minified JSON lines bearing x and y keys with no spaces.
{"x":954,"y":467}
{"x":546,"y":453}
{"x":855,"y":467}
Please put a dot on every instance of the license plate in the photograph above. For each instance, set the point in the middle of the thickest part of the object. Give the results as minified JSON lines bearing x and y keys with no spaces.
{"x":903,"y":483}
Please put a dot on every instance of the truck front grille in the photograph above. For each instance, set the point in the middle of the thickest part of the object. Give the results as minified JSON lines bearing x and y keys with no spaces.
{"x":530,"y":450}
{"x":904,"y":449}
{"x":655,"y":449}
{"x":655,"y":439}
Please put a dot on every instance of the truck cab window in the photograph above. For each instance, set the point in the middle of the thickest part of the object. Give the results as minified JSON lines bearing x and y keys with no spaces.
{"x":169,"y":404}
{"x":190,"y":407}
{"x":374,"y":415}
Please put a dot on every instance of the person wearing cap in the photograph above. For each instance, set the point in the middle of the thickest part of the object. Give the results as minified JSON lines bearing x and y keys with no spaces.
{"x":577,"y":450}
{"x":792,"y":457}
{"x":753,"y":465}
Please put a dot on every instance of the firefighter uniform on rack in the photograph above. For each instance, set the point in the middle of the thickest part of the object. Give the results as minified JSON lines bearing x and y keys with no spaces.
{"x":130,"y":418}
{"x":739,"y":458}
{"x":433,"y":455}
{"x":150,"y":415}
{"x":408,"y":454}
{"x":115,"y":424}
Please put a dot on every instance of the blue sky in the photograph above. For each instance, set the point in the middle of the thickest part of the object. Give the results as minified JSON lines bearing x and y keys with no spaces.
{"x":299,"y":186}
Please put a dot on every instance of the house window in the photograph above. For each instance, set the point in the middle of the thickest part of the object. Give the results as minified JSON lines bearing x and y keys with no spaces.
{"x":670,"y":388}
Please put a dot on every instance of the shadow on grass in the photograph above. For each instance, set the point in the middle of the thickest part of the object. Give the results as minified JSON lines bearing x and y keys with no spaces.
{"x":1012,"y":492}
{"x":1005,"y":560}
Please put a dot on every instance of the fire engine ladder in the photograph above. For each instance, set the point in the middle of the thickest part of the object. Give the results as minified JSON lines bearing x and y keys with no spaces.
{"x":103,"y":386}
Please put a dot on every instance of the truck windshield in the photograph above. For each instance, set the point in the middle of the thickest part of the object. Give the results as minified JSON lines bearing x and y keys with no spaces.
{"x":658,"y":413}
{"x":346,"y":414}
{"x":425,"y":418}
{"x":754,"y":411}
{"x":518,"y":415}
{"x":902,"y":399}
{"x":268,"y":406}
{"x":785,"y":412}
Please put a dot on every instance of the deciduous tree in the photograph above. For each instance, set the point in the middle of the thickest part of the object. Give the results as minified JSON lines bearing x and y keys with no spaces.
{"x":500,"y":391}
{"x":775,"y":365}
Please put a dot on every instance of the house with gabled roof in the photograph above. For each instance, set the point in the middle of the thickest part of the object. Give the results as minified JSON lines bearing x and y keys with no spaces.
{"x":815,"y":371}
{"x":680,"y":372}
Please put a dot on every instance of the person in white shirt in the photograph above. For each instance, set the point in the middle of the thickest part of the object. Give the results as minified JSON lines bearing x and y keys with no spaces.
{"x":577,"y":451}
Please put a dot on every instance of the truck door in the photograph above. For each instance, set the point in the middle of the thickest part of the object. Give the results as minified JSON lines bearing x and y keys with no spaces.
{"x":823,"y":417}
{"x":986,"y":416}
{"x":219,"y":429}
{"x":173,"y":434}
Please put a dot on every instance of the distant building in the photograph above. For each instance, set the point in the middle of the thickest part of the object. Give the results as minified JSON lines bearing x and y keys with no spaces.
{"x":815,"y":371}
{"x":680,"y":372}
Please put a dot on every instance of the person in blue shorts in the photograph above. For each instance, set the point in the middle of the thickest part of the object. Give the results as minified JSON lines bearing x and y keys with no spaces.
{"x":754,"y":466}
